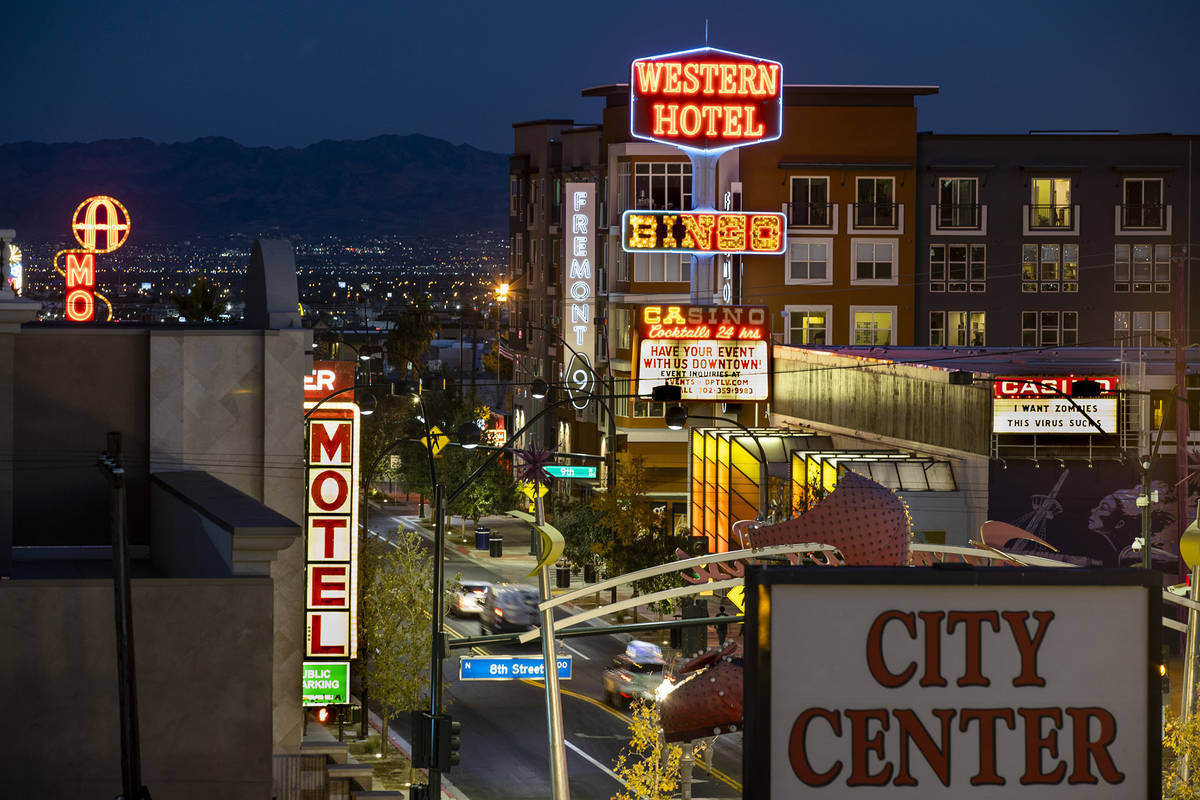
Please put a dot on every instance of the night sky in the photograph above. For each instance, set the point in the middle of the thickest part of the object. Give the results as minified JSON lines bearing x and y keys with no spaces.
{"x":280,"y":74}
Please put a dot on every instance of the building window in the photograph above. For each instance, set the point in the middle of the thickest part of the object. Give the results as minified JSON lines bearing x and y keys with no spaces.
{"x":958,"y":267}
{"x":648,"y":408}
{"x":810,"y":202}
{"x":1049,"y":328}
{"x":874,"y":261}
{"x":664,"y":185}
{"x":622,"y":265}
{"x":958,"y":203}
{"x":957,"y":329}
{"x":808,"y":261}
{"x":1143,"y":206}
{"x":1146,"y":328}
{"x":1051,"y":205}
{"x":518,"y":254}
{"x":1142,"y":267}
{"x":809,"y":325}
{"x":622,"y":329}
{"x":873,"y":326}
{"x":661,"y":267}
{"x":876,"y":203}
{"x":1050,"y":268}
{"x":514,"y":195}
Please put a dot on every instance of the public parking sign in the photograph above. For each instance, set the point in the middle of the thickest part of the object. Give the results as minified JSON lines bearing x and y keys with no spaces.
{"x":325,"y":683}
{"x":501,"y":668}
{"x":974,"y":683}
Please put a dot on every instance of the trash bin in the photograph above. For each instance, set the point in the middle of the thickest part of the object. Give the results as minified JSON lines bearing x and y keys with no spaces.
{"x":562,"y":577}
{"x":496,"y":545}
{"x":482,"y":535}
{"x":589,"y":573}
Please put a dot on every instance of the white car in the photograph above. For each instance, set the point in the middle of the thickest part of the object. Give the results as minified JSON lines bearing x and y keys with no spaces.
{"x":468,"y":598}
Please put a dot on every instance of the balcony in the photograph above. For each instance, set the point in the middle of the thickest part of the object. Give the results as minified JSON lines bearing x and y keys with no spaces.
{"x":959,"y":219}
{"x":1052,"y":220}
{"x":875,"y":217}
{"x":809,"y":215}
{"x":1147,"y":218}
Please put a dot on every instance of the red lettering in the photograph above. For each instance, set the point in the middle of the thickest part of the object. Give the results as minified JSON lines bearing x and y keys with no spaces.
{"x":862,"y":746}
{"x":987,"y":718}
{"x":329,"y":448}
{"x":798,"y":751}
{"x":1035,"y":743}
{"x":329,"y":528}
{"x":911,"y":730}
{"x":973,"y":620}
{"x":340,"y":486}
{"x":1028,"y":645}
{"x":1085,"y":749}
{"x":316,"y":645}
{"x":933,"y":648}
{"x":327,"y":586}
{"x":875,"y":662}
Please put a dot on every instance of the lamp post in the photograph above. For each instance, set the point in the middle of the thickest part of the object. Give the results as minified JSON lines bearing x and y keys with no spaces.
{"x":676,"y":419}
{"x":469,"y":437}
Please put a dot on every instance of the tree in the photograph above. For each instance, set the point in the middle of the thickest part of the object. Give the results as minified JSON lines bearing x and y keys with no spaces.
{"x":413,"y":329}
{"x":1181,"y":744}
{"x":639,"y":531}
{"x":395,"y":606}
{"x":579,"y":523}
{"x":649,"y":766}
{"x":201,"y":303}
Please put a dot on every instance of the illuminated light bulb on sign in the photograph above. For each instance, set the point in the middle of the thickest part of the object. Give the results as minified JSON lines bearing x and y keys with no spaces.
{"x":88,"y":228}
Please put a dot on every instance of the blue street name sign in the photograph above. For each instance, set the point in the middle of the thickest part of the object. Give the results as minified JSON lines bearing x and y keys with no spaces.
{"x":501,"y":668}
{"x":567,"y":471}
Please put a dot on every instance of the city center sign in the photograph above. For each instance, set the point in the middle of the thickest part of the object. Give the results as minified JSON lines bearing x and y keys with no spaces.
{"x":706,"y":99}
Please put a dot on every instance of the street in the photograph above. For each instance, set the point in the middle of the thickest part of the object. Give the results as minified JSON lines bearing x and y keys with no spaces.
{"x":504,"y":741}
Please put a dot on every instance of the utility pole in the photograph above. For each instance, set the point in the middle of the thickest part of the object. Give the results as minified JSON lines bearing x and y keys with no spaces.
{"x":558,"y":755}
{"x":1181,"y":403}
{"x":131,"y":758}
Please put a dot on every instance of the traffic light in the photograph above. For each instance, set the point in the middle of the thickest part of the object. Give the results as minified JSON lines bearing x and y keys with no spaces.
{"x":448,"y":740}
{"x":420,"y":740}
{"x":324,"y":714}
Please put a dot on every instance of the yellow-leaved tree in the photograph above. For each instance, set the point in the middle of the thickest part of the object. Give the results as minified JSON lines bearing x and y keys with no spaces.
{"x":649,"y":767}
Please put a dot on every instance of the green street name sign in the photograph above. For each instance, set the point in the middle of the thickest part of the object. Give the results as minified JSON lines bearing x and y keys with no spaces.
{"x":326,"y":683}
{"x":565,"y":471}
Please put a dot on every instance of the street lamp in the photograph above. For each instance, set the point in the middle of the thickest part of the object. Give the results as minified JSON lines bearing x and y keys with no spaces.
{"x":676,"y":419}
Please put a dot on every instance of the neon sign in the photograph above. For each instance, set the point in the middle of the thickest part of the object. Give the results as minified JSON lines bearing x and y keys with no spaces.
{"x":578,"y":325}
{"x":713,"y":353}
{"x":706,"y":99}
{"x":95,"y":234}
{"x":727,"y":232}
{"x":331,"y":513}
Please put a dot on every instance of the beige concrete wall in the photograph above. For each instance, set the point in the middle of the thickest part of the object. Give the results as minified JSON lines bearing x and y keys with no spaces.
{"x":202,"y":672}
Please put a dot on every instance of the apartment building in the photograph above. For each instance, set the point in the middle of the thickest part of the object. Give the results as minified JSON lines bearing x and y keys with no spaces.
{"x":1054,"y":239}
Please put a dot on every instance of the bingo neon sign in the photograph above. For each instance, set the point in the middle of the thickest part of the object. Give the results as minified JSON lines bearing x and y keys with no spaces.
{"x":726,"y":232}
{"x":706,"y":99}
{"x":101,"y":225}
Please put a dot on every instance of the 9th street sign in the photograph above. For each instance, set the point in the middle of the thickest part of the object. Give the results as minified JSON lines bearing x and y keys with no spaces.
{"x":569,"y":471}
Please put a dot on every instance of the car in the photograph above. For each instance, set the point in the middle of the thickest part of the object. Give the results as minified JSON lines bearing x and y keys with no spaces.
{"x":468,"y":598}
{"x":635,"y":674}
{"x":509,"y":607}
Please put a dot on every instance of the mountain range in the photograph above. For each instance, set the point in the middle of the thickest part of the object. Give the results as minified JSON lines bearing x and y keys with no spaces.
{"x":215,"y":186}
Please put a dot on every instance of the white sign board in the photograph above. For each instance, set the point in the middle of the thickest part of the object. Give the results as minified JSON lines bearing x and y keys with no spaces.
{"x":1053,"y":415}
{"x":711,"y":370}
{"x":989,"y":684}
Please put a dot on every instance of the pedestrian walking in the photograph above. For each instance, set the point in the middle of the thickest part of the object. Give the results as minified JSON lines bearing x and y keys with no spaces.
{"x":721,"y":627}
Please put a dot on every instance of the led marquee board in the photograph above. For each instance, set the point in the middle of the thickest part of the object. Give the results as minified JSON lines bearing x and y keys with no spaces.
{"x":705,"y":233}
{"x":706,"y":99}
{"x":331,"y":512}
{"x":713,"y":353}
{"x":1040,"y":405}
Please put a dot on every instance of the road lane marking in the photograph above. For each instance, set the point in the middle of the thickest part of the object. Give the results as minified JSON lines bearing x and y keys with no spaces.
{"x":576,"y":652}
{"x":595,"y":763}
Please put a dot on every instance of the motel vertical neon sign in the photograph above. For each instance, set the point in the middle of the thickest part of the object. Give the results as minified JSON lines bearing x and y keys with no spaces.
{"x":100,"y":225}
{"x":331,"y":513}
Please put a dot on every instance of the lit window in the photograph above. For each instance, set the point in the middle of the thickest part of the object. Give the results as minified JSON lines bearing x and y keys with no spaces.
{"x":1051,"y":205}
{"x":1050,"y":267}
{"x":808,"y":325}
{"x":957,"y":328}
{"x":872,"y":327}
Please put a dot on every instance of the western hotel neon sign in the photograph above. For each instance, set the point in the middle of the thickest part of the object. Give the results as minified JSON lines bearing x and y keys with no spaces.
{"x":706,"y":99}
{"x":331,"y":518}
